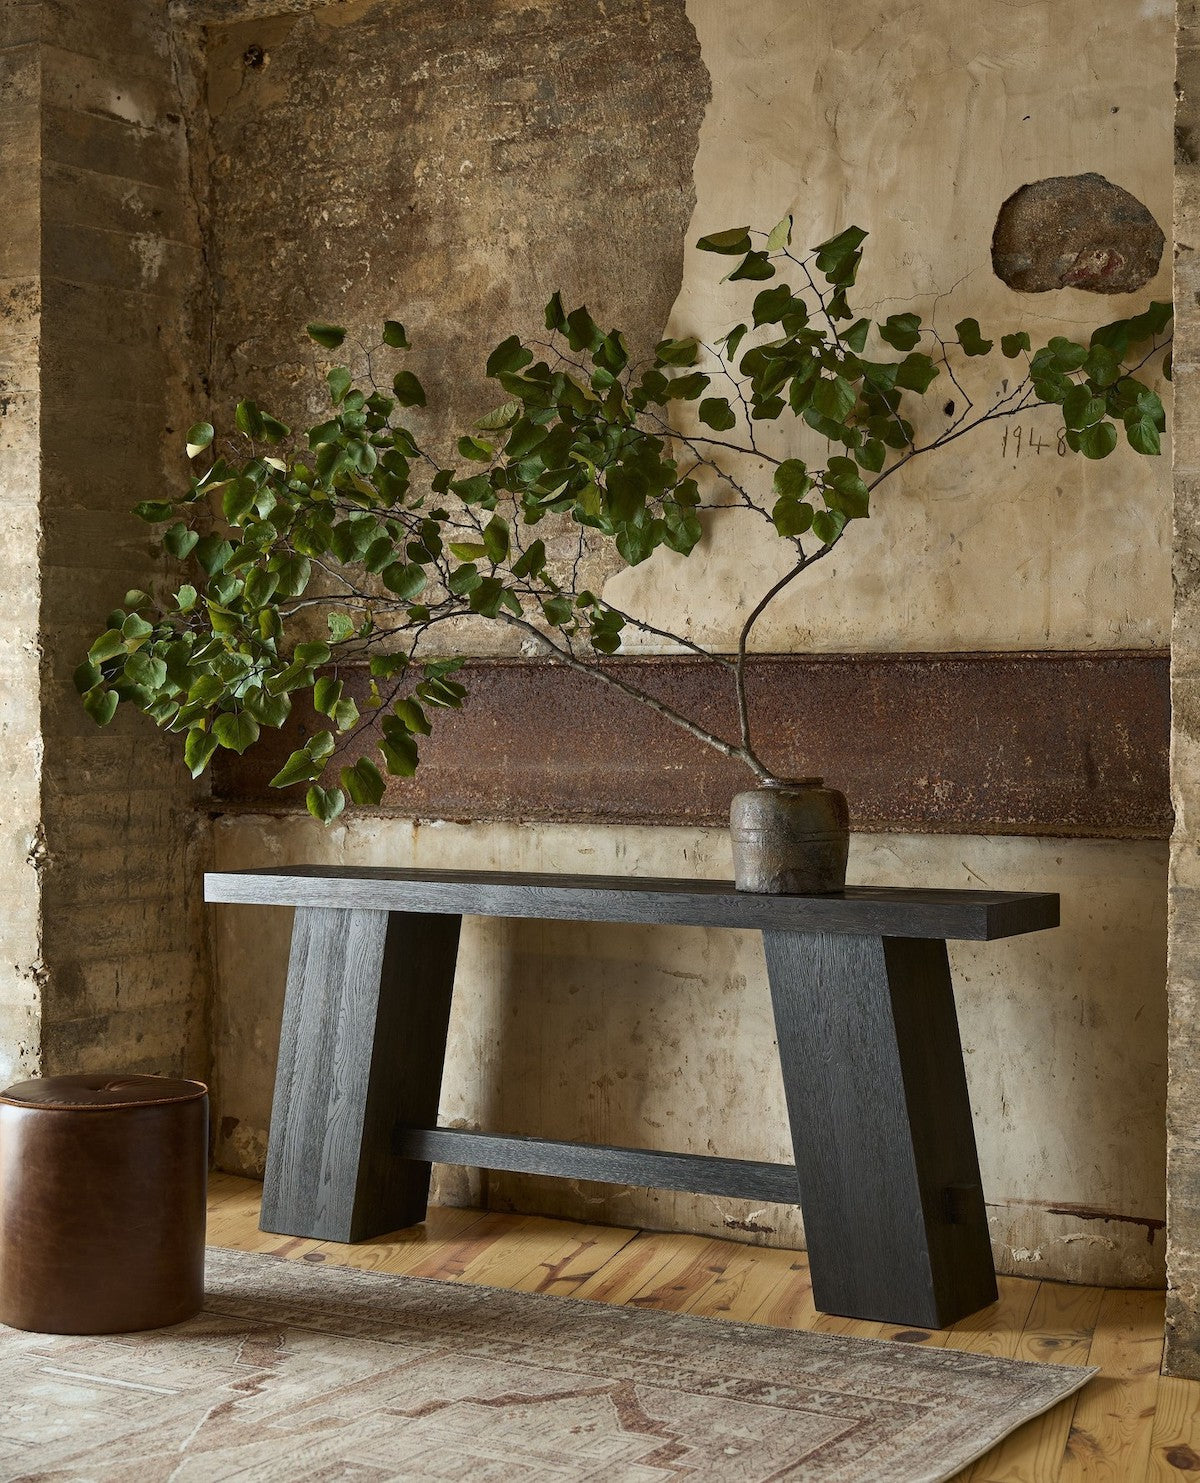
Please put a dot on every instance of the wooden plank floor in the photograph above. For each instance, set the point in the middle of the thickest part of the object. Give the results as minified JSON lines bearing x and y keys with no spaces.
{"x":1130,"y":1425}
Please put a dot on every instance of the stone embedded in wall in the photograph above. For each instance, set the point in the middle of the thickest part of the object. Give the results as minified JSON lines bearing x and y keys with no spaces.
{"x":1076,"y":231}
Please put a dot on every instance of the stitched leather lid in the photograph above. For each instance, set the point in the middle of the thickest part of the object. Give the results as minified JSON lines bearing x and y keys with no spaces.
{"x":95,"y":1090}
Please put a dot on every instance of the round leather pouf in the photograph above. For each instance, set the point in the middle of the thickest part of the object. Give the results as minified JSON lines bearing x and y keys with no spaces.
{"x":102,"y":1203}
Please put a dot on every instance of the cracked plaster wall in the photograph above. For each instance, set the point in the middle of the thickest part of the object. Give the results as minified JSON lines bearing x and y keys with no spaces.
{"x":452,"y":169}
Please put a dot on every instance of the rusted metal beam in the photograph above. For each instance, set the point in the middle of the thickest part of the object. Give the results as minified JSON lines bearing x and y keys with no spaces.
{"x":1066,"y":744}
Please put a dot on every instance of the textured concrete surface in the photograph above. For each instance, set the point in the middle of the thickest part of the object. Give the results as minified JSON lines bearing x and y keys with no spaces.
{"x":656,"y":1036}
{"x":1183,"y":1099}
{"x":102,"y":948}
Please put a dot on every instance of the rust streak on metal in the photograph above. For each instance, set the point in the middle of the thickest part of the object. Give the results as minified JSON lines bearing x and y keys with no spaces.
{"x":1050,"y":744}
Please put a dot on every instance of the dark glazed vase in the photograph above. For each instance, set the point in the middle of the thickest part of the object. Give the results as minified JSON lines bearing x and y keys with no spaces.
{"x":791,"y":837}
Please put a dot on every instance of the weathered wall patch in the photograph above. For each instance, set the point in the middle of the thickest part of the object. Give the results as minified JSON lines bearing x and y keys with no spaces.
{"x":1076,"y":231}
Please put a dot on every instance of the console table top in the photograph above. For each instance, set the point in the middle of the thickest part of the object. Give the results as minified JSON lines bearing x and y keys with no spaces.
{"x":877,"y":911}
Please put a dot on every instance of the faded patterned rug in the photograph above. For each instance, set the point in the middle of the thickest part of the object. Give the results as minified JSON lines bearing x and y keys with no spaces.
{"x":295,"y":1372}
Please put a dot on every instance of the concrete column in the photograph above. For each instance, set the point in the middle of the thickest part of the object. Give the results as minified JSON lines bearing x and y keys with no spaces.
{"x":1183,"y":1095}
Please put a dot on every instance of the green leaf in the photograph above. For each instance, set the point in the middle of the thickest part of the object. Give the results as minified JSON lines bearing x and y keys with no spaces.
{"x":180,"y":541}
{"x":1081,"y":408}
{"x":405,"y":580}
{"x":198,"y":749}
{"x":901,"y":331}
{"x":143,"y":670}
{"x":1101,"y":365}
{"x":345,"y":714}
{"x":828,"y":525}
{"x":1097,"y":441}
{"x":400,"y":755}
{"x":731,"y":242}
{"x":299,"y":768}
{"x":411,"y":717}
{"x":791,"y":479}
{"x":754,"y":266}
{"x":780,"y":235}
{"x":556,"y":315}
{"x":839,"y":253}
{"x":268,"y":710}
{"x":504,"y":416}
{"x":688,"y":388}
{"x":771,"y":304}
{"x":236,"y":732}
{"x":325,"y":804}
{"x":101,"y":705}
{"x":136,"y":631}
{"x":970,"y":338}
{"x":393,"y":334}
{"x":856,"y":335}
{"x":186,"y":598}
{"x":1068,"y":354}
{"x":792,"y":517}
{"x":199,"y":436}
{"x":328,"y":335}
{"x":1143,"y":435}
{"x":477,"y":449}
{"x":312,"y":655}
{"x":340,"y":382}
{"x":715,"y":412}
{"x":249,"y":420}
{"x":1013,"y":345}
{"x":676,"y":352}
{"x":238,"y":500}
{"x":341,"y":627}
{"x":834,"y":397}
{"x":409,"y":391}
{"x":326,"y":694}
{"x":509,"y":356}
{"x":363,"y":782}
{"x":154,"y":511}
{"x":916,"y":373}
{"x":468,"y":550}
{"x":86,"y":677}
{"x":110,"y":643}
{"x":532,"y":561}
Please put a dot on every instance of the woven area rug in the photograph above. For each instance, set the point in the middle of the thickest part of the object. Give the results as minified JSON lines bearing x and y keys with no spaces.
{"x":295,"y":1372}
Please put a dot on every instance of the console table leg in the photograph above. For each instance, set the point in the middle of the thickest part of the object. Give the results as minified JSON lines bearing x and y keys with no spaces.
{"x":361,"y":1049}
{"x":881,"y":1123}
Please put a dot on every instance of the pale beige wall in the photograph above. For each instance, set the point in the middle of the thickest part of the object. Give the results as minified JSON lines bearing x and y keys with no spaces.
{"x":915,"y":122}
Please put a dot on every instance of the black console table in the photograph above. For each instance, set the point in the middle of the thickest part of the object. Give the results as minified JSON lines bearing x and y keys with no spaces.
{"x":886,"y":1171}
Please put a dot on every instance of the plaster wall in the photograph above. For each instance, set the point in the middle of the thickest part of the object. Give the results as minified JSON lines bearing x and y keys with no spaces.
{"x":476,"y":159}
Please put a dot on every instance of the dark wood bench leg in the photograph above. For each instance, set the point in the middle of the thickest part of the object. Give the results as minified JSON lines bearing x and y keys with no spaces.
{"x":362,"y":1048}
{"x":881,"y":1124}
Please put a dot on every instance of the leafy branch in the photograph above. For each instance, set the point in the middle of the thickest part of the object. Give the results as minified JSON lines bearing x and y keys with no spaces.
{"x":356,"y":520}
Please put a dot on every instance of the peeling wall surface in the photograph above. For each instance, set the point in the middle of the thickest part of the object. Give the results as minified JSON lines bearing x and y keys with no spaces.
{"x":452,"y":168}
{"x":101,"y":942}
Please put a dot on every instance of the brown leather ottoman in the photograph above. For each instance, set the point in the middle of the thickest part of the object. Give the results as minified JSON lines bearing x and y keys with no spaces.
{"x":102,"y":1203}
